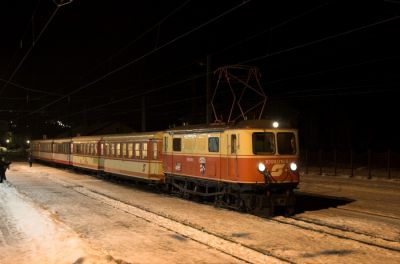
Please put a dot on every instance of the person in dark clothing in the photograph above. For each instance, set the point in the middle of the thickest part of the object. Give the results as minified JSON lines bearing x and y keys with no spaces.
{"x":30,"y":159}
{"x":4,"y":165}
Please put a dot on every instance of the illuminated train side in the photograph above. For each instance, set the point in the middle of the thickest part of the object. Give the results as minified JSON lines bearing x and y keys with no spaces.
{"x":249,"y":166}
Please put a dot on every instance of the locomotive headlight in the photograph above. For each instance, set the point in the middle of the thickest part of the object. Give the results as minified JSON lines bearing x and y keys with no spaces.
{"x":261,"y":167}
{"x":293,"y":166}
{"x":275,"y":124}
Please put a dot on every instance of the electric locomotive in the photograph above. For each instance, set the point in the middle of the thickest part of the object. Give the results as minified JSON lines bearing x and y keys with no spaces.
{"x":249,"y":166}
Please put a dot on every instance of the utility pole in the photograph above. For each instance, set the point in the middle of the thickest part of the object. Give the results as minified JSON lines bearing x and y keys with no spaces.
{"x":143,"y":114}
{"x":208,"y":91}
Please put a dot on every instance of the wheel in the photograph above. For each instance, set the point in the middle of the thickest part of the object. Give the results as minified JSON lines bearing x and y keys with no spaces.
{"x":289,"y":211}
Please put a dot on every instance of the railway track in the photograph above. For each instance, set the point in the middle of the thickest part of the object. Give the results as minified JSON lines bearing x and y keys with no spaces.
{"x":369,"y":213}
{"x":242,"y":252}
{"x":340,"y":232}
{"x":227,"y":246}
{"x":233,"y":248}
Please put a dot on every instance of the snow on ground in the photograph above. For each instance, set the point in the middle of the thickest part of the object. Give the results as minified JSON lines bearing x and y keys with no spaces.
{"x":339,"y":220}
{"x":31,"y":235}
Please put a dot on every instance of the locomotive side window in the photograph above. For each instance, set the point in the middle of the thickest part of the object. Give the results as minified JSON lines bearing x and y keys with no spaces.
{"x":233,"y":144}
{"x":177,"y":144}
{"x":263,"y":143}
{"x":286,"y":143}
{"x":213,"y":144}
{"x":165,"y":144}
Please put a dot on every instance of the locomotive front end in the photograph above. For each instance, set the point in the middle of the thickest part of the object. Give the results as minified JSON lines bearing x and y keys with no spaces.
{"x":277,"y":161}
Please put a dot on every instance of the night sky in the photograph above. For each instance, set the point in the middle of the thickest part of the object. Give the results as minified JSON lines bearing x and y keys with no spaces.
{"x":332,"y":68}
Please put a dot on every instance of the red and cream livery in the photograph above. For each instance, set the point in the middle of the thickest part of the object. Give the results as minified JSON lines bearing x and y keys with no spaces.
{"x":250,"y":165}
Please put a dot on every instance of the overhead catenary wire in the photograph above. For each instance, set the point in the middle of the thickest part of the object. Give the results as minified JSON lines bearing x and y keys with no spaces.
{"x":272,"y":54}
{"x":33,"y":44}
{"x":141,"y":57}
{"x":157,"y":25}
{"x":329,"y":70}
{"x":136,"y":95}
{"x":202,"y":75}
{"x":303,"y":14}
{"x":318,"y":40}
{"x":29,"y":89}
{"x":24,"y":32}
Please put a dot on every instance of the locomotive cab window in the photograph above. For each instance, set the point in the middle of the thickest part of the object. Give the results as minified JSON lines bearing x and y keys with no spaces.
{"x":286,"y":143}
{"x":213,"y":144}
{"x":177,"y":144}
{"x":263,"y":143}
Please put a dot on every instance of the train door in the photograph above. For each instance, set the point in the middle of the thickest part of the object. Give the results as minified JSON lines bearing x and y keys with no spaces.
{"x":232,"y":156}
{"x":100,"y":154}
{"x":167,"y":155}
{"x":154,"y":168}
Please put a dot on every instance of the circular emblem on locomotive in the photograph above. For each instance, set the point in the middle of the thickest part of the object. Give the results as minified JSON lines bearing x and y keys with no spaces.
{"x":202,"y":162}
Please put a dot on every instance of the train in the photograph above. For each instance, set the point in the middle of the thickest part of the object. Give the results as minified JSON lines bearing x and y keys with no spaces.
{"x":248,"y":166}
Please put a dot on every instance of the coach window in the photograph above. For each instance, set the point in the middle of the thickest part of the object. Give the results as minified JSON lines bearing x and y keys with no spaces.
{"x":137,"y":150}
{"x":233,"y":143}
{"x":144,"y":150}
{"x":112,"y":149}
{"x":155,"y":150}
{"x":177,"y":144}
{"x":118,"y":149}
{"x":130,"y":150}
{"x":213,"y":144}
{"x":123,"y":150}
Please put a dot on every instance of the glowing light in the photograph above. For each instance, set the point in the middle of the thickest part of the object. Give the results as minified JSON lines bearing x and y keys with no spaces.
{"x":261,"y":167}
{"x":293,"y":166}
{"x":7,"y":141}
{"x":28,"y":141}
{"x":275,"y":124}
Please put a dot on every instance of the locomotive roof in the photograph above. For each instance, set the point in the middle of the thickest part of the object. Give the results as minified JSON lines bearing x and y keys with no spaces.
{"x":246,"y":124}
